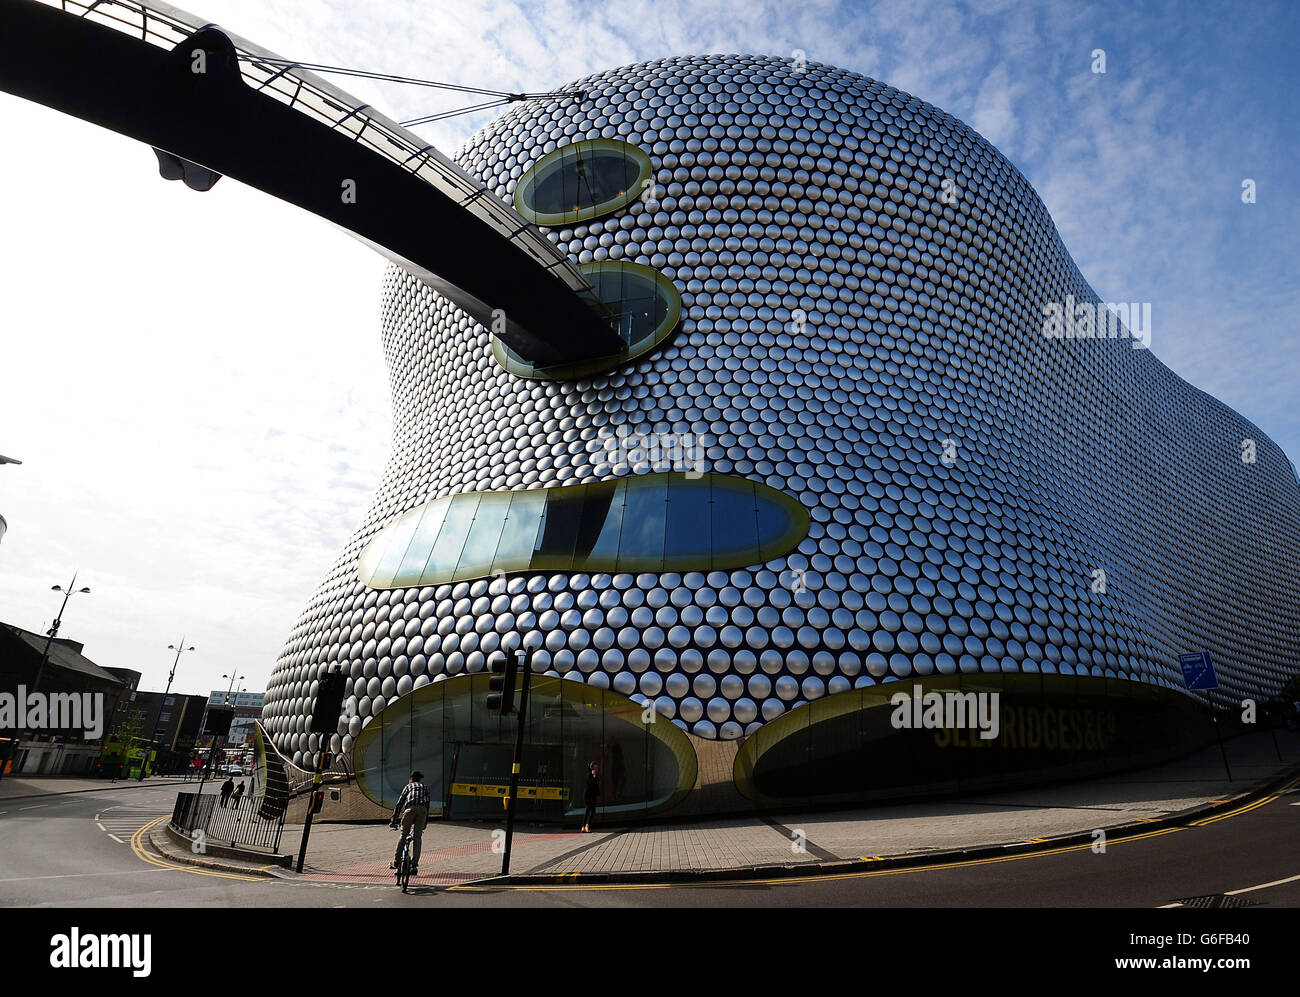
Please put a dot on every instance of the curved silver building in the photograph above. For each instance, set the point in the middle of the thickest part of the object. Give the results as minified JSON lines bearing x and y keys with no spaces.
{"x":868,"y":433}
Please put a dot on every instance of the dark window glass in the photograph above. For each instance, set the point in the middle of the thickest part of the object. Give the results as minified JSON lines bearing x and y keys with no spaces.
{"x":582,"y":179}
{"x":603,"y":519}
{"x":687,"y":542}
{"x":636,"y":304}
{"x":641,"y":305}
{"x":559,"y":532}
{"x":641,"y":546}
{"x":734,"y":525}
{"x":775,"y":527}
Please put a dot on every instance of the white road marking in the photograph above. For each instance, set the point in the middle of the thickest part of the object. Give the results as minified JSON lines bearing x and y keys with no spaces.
{"x":35,"y":806}
{"x":1262,"y":886}
{"x":126,"y":820}
{"x":82,"y":875}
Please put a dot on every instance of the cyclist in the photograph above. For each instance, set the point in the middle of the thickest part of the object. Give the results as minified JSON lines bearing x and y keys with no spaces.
{"x":412,"y":811}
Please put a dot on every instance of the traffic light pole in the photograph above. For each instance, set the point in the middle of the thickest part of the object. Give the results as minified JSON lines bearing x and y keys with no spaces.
{"x":514,"y":767}
{"x":324,"y":721}
{"x":311,"y":809}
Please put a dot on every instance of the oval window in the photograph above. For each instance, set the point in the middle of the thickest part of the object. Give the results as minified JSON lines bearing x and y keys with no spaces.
{"x":582,"y":181}
{"x":643,"y":307}
{"x":668,"y":521}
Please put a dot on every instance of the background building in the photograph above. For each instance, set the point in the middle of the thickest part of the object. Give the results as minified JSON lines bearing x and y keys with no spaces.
{"x":248,"y":709}
{"x":839,"y":291}
{"x":174,"y":721}
{"x":68,"y":671}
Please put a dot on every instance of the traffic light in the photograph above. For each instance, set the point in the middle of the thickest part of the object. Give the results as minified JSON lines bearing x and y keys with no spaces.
{"x":329,"y":701}
{"x":317,"y":802}
{"x":218,"y":722}
{"x":502,"y":683}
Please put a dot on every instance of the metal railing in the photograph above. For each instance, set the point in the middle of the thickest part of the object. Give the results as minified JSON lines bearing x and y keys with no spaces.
{"x":238,"y":822}
{"x":191,"y":812}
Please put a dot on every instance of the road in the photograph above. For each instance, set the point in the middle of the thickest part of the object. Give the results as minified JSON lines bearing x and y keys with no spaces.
{"x":85,"y":850}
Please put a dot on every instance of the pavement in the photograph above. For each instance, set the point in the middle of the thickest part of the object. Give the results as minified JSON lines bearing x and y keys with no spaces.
{"x":20,"y":787}
{"x":1040,"y":818}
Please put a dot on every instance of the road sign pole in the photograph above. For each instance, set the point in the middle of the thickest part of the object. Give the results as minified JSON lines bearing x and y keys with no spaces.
{"x":514,"y":765}
{"x":1219,"y":736}
{"x":1268,"y":719}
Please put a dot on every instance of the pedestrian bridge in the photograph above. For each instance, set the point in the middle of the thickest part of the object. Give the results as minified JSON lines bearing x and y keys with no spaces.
{"x":212,"y":104}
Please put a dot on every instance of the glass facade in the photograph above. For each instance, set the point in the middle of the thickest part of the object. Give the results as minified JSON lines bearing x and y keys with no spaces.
{"x":445,"y":730}
{"x":642,"y":305}
{"x":673,"y":521}
{"x":873,"y":743}
{"x":582,"y":181}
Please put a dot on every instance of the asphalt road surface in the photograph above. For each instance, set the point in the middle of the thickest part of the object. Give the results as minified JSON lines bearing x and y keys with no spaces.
{"x":86,"y":850}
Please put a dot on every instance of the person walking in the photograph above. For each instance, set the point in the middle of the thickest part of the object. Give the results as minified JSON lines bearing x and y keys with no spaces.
{"x":239,"y":793}
{"x":591,"y":795}
{"x":413,"y":811}
{"x":227,"y":788}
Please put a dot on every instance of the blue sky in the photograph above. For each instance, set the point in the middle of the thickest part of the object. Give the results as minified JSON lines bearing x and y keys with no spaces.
{"x":202,"y":466}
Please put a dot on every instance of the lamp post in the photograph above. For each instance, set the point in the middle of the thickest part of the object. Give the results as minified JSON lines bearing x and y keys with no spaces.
{"x":3,"y":524}
{"x":179,"y":649}
{"x":53,"y":632}
{"x":231,"y":688}
{"x":68,"y":593}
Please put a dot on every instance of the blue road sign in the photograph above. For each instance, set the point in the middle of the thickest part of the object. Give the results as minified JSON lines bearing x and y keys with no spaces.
{"x":1198,"y":671}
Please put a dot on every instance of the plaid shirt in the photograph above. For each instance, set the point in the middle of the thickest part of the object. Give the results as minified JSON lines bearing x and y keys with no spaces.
{"x":414,"y":794}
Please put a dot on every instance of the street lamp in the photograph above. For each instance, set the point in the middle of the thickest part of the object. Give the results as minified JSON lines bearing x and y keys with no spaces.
{"x":53,"y":632}
{"x":233,"y":680}
{"x":5,"y":460}
{"x":179,"y":649}
{"x":68,"y":593}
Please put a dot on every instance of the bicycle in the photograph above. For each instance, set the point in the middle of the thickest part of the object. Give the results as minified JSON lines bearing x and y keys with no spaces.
{"x":404,"y":863}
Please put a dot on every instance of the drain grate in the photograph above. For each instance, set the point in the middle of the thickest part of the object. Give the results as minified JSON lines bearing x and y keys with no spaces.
{"x":1214,"y":901}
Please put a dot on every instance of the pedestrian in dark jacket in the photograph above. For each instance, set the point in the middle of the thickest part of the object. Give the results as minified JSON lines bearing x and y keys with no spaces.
{"x":239,"y":793}
{"x":227,"y":788}
{"x":592,"y":794}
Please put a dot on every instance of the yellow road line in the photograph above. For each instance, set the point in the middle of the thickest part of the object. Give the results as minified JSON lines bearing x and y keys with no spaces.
{"x":1234,"y":813}
{"x":137,"y":846}
{"x":1248,"y":807}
